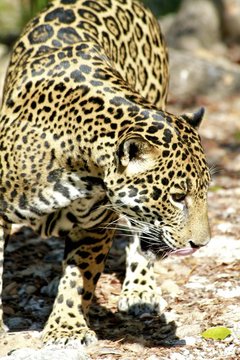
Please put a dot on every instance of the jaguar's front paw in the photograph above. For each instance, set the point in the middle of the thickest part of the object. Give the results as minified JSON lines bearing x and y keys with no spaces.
{"x":73,"y":338}
{"x":138,"y":303}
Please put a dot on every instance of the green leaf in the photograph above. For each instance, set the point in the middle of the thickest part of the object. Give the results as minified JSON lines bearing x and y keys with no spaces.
{"x":216,"y":333}
{"x":215,"y":188}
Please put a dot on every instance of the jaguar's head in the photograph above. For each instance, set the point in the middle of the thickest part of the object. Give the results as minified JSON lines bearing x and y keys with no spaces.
{"x":160,"y":182}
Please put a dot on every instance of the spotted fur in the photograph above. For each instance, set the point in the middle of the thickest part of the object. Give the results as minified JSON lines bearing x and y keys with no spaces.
{"x":85,"y":139}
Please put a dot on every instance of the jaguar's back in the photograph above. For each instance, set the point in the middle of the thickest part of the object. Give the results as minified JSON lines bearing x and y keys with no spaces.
{"x":129,"y":35}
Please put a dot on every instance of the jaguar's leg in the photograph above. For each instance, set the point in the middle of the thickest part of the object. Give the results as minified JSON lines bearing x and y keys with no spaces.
{"x":85,"y":256}
{"x":140,"y":293}
{"x":5,"y":230}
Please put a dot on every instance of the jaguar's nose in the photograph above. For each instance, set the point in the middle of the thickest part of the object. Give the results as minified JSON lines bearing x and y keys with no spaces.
{"x":194,"y":246}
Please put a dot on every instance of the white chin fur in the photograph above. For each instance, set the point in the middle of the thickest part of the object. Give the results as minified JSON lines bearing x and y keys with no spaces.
{"x":149,"y":255}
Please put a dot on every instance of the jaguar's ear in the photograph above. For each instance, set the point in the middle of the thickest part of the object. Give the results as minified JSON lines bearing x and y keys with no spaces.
{"x":130,"y":150}
{"x":195,"y":118}
{"x":133,"y":153}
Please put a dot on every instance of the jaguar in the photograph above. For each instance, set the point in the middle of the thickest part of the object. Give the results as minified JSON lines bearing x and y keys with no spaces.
{"x":87,"y":146}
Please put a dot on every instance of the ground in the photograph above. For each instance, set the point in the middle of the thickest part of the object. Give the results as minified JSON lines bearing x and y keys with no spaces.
{"x":201,"y":291}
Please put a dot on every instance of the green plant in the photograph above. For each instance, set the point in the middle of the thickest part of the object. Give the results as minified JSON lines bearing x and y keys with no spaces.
{"x":216,"y":333}
{"x":162,"y":7}
{"x":30,"y":8}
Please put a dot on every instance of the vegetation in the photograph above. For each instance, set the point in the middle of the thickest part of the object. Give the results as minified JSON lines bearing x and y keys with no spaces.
{"x":159,"y":7}
{"x":162,"y":7}
{"x":30,"y":8}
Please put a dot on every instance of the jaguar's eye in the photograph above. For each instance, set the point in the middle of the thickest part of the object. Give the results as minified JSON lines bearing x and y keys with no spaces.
{"x":179,"y":197}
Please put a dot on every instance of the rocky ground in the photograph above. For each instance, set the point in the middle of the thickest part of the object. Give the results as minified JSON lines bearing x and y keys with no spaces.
{"x":201,"y":291}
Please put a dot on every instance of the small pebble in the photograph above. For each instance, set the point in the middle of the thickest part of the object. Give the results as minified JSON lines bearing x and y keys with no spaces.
{"x":153,"y":357}
{"x":170,"y":287}
{"x":11,"y":289}
{"x":51,"y":289}
{"x":17,"y":323}
{"x":176,"y":356}
{"x":190,"y":340}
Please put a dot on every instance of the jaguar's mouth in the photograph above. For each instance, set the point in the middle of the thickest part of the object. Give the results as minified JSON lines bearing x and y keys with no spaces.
{"x":159,"y":249}
{"x":183,"y":252}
